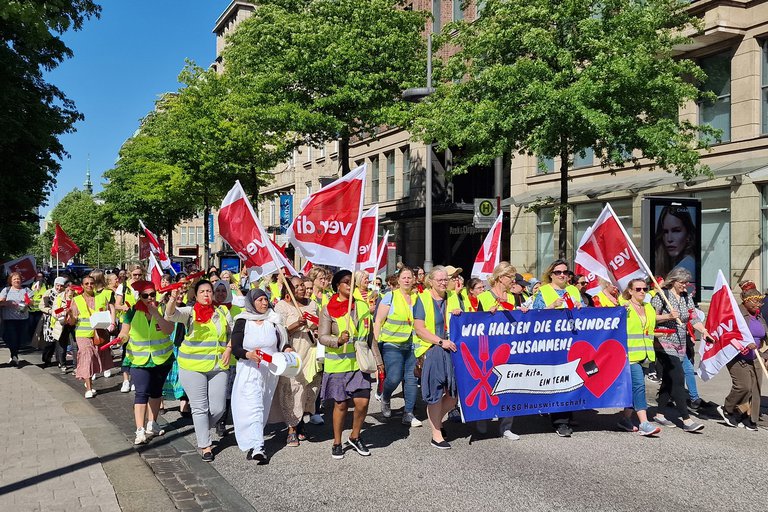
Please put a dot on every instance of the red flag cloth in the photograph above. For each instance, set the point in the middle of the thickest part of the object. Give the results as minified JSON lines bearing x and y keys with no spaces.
{"x":63,"y":247}
{"x":607,"y":251}
{"x":306,"y":268}
{"x":26,"y":266}
{"x":490,"y":252}
{"x":243,"y":231}
{"x":593,"y":282}
{"x":727,"y":326}
{"x":327,"y":230}
{"x":369,"y":234}
{"x":154,"y":272}
{"x":156,"y":248}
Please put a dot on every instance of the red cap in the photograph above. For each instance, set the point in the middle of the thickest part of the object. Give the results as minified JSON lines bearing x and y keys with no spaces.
{"x":142,"y":285}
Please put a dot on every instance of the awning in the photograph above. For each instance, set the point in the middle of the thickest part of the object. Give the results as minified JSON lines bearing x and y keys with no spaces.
{"x":636,"y":181}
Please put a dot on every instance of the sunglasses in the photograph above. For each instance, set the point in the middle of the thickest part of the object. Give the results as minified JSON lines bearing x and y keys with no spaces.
{"x":135,"y":275}
{"x":145,"y":295}
{"x":559,"y":272}
{"x":641,"y":288}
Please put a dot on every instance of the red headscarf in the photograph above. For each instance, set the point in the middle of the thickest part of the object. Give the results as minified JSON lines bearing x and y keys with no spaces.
{"x":336,"y":307}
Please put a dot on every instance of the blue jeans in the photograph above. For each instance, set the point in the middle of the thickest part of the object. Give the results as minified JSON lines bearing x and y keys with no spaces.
{"x":690,"y":379}
{"x":399,"y":362}
{"x":639,"y":401}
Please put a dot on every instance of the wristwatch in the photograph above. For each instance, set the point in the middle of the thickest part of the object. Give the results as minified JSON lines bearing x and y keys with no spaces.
{"x":440,"y":343}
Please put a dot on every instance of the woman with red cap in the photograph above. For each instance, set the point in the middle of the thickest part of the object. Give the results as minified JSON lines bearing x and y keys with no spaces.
{"x":203,"y":359}
{"x":149,"y":355}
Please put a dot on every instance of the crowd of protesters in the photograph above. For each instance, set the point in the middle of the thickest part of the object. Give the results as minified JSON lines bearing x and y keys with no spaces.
{"x":205,"y":341}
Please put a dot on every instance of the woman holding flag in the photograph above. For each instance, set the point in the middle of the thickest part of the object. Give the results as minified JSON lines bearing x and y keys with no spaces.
{"x":149,"y":355}
{"x":671,"y":348}
{"x":342,"y":325}
{"x":203,"y":359}
{"x":393,"y":330}
{"x":14,"y":304}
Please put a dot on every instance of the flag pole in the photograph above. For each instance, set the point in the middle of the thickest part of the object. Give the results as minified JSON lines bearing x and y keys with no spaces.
{"x":762,"y":363}
{"x":57,"y":264}
{"x":351,"y":294}
{"x":290,"y":292}
{"x":642,"y":262}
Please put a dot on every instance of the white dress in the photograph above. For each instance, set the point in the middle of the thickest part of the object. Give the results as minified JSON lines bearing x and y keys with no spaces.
{"x":254,"y":387}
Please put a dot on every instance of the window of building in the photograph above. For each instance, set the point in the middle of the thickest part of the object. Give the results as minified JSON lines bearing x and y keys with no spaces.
{"x":545,"y":239}
{"x":309,"y":188}
{"x":184,"y":239}
{"x":717,"y":113}
{"x":715,"y":238}
{"x":272,"y":213}
{"x":375,"y":179}
{"x":436,"y":12}
{"x":200,"y":239}
{"x":322,"y":150}
{"x":309,"y":153}
{"x":407,"y":172}
{"x":585,"y":214}
{"x":458,"y":12}
{"x":764,"y":239}
{"x":584,"y":161}
{"x":764,"y":87}
{"x":390,"y":176}
{"x":545,"y":165}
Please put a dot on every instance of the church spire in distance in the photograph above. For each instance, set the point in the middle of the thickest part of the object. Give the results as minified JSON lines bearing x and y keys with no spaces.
{"x":88,"y":185}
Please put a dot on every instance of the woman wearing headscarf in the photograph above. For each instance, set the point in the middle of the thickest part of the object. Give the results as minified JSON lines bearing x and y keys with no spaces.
{"x":394,"y":331}
{"x":203,"y":359}
{"x":257,"y":331}
{"x":149,"y":355}
{"x":14,"y":304}
{"x":47,"y":305}
{"x":297,"y":396}
{"x":671,"y":348}
{"x":742,"y":405}
{"x":343,"y":382}
{"x":90,"y":360}
{"x":430,"y":323}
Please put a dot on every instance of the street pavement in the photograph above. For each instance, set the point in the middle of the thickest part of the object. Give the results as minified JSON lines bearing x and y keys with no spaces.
{"x":599,"y":468}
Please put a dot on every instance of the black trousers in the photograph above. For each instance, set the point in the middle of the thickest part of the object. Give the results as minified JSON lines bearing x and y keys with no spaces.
{"x":672,"y":383}
{"x":67,"y":338}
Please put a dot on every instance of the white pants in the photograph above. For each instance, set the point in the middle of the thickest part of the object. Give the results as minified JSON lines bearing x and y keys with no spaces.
{"x":252,"y":396}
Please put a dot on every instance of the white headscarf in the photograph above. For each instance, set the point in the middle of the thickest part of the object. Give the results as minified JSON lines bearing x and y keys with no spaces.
{"x":270,"y":316}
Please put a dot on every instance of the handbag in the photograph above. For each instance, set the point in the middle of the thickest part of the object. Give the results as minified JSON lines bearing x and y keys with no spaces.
{"x":419,"y":366}
{"x":364,"y":356}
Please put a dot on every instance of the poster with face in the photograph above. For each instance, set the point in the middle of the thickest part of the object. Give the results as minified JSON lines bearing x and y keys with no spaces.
{"x":675,"y":239}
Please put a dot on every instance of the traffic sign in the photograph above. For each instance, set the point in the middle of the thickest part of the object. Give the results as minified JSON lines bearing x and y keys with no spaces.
{"x":486,"y":212}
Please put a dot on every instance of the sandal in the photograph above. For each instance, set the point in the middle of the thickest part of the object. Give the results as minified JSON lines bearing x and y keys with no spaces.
{"x":293,"y":440}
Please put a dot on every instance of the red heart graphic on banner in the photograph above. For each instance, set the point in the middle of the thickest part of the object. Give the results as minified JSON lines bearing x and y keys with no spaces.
{"x":604,"y":364}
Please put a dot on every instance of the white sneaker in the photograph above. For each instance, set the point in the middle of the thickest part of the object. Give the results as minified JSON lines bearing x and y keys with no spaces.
{"x":141,"y":436}
{"x":90,"y":393}
{"x":508,"y":434}
{"x":126,"y":387}
{"x":317,"y":419}
{"x":107,"y":374}
{"x":15,"y":361}
{"x":95,"y":376}
{"x":505,"y":429}
{"x":133,"y":388}
{"x":411,"y":420}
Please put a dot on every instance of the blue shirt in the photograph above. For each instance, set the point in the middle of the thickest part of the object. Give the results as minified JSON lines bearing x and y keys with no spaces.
{"x":440,"y":307}
{"x":538,"y":302}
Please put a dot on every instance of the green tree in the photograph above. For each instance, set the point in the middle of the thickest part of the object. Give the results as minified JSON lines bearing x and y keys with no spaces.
{"x":553,"y":78}
{"x":82,"y":218}
{"x":144,"y":186}
{"x":321,"y":70}
{"x":33,"y":112}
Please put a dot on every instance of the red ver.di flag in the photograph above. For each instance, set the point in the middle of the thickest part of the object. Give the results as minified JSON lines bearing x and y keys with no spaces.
{"x":369,"y":230}
{"x":242,"y":230}
{"x":490,"y":252}
{"x":592,"y":279}
{"x":727,"y":326}
{"x":607,"y":251}
{"x":327,"y":230}
{"x":63,"y":248}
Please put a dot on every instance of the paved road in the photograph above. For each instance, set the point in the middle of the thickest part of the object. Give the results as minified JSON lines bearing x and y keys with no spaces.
{"x":717,"y":469}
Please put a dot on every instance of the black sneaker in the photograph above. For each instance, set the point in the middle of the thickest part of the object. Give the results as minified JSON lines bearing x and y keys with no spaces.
{"x":564,"y":430}
{"x":695,"y":406}
{"x":359,"y":447}
{"x":730,"y":419}
{"x":749,"y":424}
{"x":337,"y":451}
{"x":221,"y":429}
{"x":207,"y":456}
{"x":442,"y":445}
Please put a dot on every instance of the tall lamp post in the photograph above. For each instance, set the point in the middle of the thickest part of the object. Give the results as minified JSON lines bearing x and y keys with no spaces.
{"x":416,"y":94}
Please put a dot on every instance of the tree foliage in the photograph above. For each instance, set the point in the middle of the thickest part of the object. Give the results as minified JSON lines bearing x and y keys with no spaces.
{"x":33,"y":112}
{"x":552,"y":78}
{"x":82,"y":218}
{"x":321,"y":70}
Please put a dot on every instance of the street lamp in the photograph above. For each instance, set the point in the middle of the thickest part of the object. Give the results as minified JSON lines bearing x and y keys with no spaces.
{"x":416,"y":94}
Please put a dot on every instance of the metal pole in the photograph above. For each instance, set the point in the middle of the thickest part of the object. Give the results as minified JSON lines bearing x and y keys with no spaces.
{"x":428,"y":177}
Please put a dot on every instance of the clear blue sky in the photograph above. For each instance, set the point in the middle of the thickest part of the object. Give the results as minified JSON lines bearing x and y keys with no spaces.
{"x":121,"y":63}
